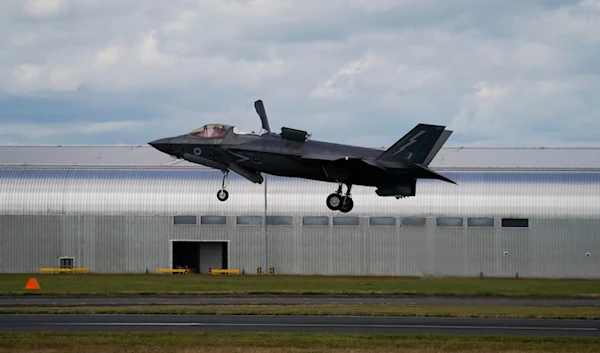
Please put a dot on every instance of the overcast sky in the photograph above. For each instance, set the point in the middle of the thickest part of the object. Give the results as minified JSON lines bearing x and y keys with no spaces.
{"x":497,"y":72}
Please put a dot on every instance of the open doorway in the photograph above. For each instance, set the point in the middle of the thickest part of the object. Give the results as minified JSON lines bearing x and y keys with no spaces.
{"x":200,"y":255}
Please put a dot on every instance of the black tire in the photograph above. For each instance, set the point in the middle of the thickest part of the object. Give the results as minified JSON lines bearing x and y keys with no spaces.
{"x":347,"y":206}
{"x":222,"y":195}
{"x":334,"y":201}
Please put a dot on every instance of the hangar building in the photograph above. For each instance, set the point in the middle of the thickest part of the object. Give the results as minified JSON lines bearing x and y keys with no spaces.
{"x":527,"y":212}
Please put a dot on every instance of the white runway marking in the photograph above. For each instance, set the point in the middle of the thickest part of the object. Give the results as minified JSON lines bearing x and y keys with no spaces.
{"x":457,"y":327}
{"x":125,"y":323}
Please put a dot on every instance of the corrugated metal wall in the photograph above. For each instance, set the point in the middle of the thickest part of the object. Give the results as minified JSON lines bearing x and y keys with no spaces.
{"x":136,"y":244}
{"x":120,"y":220}
{"x":165,"y":191}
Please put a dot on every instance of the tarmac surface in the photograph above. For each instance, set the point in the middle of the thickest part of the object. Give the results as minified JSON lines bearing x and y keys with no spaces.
{"x":17,"y":301}
{"x":337,"y":324}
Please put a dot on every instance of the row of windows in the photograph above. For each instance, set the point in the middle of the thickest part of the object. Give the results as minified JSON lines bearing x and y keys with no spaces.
{"x":353,"y":221}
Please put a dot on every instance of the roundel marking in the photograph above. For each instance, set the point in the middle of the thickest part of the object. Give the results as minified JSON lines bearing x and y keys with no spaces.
{"x":197,"y":151}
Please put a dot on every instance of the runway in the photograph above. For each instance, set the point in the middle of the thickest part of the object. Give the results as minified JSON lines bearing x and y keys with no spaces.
{"x":16,"y":301}
{"x":304,"y":324}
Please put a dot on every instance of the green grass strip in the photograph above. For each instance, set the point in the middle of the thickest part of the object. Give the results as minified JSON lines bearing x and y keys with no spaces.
{"x":286,"y":342}
{"x":476,"y":311}
{"x":251,"y":284}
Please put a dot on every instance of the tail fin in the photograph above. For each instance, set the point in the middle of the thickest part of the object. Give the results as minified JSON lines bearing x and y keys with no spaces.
{"x":436,"y":148}
{"x":419,"y":145}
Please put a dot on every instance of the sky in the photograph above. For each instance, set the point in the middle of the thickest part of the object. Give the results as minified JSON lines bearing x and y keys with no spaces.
{"x":364,"y":72}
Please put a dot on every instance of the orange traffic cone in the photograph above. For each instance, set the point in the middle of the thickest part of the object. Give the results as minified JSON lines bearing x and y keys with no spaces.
{"x":32,"y":284}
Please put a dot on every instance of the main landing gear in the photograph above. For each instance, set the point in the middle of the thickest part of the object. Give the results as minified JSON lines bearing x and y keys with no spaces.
{"x":337,"y":202}
{"x":222,"y":194}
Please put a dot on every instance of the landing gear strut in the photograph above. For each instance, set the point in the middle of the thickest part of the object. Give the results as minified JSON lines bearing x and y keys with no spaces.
{"x":337,"y":202}
{"x":222,"y":194}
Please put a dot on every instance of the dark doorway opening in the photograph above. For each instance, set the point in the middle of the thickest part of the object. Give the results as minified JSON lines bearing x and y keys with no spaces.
{"x":200,"y":256}
{"x":186,"y":254}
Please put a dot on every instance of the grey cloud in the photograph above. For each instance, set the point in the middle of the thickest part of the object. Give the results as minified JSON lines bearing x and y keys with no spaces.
{"x":494,"y":71}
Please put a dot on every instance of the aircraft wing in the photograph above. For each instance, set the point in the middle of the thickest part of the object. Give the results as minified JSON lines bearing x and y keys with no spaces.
{"x":246,"y":173}
{"x":338,"y":158}
{"x":322,"y":157}
{"x":380,"y":164}
{"x":233,"y":166}
{"x":388,"y":165}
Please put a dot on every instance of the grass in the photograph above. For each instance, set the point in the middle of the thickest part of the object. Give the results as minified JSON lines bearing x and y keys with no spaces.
{"x":151,"y":284}
{"x":587,"y":313}
{"x":216,"y":342}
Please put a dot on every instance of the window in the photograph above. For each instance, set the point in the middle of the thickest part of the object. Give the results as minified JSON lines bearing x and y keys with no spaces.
{"x":382,"y":221}
{"x":279,"y":220}
{"x":211,"y":130}
{"x":413,"y":222}
{"x":249,"y":220}
{"x":213,"y":220}
{"x":515,"y":222}
{"x":449,"y":222}
{"x":345,"y":221}
{"x":315,"y":221}
{"x":480,"y":222}
{"x":66,"y":262}
{"x":184,"y":220}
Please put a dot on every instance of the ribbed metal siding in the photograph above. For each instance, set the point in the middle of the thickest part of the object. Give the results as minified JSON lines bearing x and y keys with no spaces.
{"x":184,"y":191}
{"x":116,"y":221}
{"x":105,"y":244}
{"x":136,"y":244}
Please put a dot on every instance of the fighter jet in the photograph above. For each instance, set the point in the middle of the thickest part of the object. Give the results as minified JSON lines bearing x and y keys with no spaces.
{"x":293,"y":153}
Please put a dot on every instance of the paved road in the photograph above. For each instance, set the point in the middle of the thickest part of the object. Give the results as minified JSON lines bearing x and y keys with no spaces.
{"x":283,"y":300}
{"x":353,"y":324}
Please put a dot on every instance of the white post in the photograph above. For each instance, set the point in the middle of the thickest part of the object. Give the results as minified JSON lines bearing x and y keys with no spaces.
{"x":266,"y":268}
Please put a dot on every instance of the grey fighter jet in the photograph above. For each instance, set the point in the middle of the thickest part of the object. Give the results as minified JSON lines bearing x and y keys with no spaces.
{"x":292,"y":153}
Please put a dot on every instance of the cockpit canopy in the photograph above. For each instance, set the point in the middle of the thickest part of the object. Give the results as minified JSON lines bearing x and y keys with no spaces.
{"x":217,"y":130}
{"x":211,"y":130}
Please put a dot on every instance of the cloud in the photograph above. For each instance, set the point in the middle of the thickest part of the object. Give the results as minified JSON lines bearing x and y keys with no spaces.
{"x":486,"y":90}
{"x":557,"y":111}
{"x":341,"y":84}
{"x":52,"y":129}
{"x":44,"y":8}
{"x":350,"y":71}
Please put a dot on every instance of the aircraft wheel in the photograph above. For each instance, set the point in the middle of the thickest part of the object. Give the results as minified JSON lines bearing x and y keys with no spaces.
{"x":334,"y":201}
{"x":222,"y":195}
{"x":347,"y":206}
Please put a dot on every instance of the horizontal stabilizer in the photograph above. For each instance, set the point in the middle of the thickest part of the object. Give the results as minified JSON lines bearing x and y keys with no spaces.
{"x":430,"y":174}
{"x":415,"y":146}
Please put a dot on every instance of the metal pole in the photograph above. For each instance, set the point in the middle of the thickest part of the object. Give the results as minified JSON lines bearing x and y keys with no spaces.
{"x":266,"y":268}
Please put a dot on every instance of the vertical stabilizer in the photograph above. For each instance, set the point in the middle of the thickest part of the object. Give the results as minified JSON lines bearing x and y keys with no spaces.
{"x":419,"y":145}
{"x":436,"y":148}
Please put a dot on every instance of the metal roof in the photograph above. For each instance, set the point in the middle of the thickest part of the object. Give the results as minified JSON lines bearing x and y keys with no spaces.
{"x":447,"y":158}
{"x":518,"y":158}
{"x":166,"y":191}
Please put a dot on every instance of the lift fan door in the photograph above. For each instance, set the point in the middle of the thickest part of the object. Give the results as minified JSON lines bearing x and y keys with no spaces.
{"x":294,"y":134}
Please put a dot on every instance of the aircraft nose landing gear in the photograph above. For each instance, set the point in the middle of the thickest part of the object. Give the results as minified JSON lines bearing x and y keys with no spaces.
{"x":337,"y":202}
{"x":222,"y":194}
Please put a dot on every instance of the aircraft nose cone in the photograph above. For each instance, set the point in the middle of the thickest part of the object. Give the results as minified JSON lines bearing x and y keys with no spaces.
{"x":163,"y":145}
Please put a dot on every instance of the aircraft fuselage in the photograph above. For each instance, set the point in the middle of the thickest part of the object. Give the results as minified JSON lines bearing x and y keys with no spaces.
{"x":293,"y":154}
{"x":271,"y":154}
